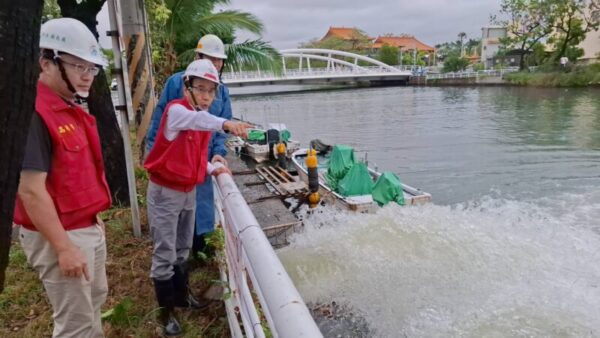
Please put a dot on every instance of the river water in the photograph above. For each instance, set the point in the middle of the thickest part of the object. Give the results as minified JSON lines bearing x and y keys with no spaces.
{"x":510,"y":245}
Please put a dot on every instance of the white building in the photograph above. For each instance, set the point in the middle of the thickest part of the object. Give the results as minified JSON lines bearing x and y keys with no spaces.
{"x":490,"y":43}
{"x":591,"y":44}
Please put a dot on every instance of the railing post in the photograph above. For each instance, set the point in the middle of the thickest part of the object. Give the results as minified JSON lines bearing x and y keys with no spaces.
{"x":283,"y":62}
{"x":277,"y":293}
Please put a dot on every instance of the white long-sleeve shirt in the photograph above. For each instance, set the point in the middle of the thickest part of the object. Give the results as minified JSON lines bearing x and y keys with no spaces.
{"x":180,"y":118}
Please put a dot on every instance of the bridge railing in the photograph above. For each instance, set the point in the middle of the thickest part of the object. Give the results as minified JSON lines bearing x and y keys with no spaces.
{"x":472,"y":74}
{"x":305,"y":72}
{"x":248,"y":253}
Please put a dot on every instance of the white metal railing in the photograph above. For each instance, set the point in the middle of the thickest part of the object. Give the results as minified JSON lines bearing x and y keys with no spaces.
{"x":471,"y":74}
{"x":248,"y":253}
{"x":309,"y":73}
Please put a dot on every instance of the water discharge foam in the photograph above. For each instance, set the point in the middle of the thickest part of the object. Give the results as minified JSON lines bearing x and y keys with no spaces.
{"x":491,"y":267}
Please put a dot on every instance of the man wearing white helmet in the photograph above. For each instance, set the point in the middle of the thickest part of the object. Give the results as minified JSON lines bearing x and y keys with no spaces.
{"x":63,"y":186}
{"x":209,"y":47}
{"x":178,"y":162}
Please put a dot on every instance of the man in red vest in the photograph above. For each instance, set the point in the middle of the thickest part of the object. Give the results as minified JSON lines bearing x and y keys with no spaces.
{"x":63,"y":187}
{"x":178,"y":162}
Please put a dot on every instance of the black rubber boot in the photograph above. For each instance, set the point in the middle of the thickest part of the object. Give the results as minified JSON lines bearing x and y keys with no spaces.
{"x":183,"y":296}
{"x":165,"y":294}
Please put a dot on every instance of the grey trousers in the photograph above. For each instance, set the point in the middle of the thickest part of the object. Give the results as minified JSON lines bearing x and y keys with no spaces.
{"x":171,"y":216}
{"x":75,"y":302}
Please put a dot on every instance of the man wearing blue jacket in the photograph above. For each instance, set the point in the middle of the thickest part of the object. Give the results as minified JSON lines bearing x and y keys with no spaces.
{"x":209,"y":47}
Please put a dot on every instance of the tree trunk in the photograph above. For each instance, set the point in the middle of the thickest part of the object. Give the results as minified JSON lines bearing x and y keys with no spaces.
{"x":100,"y":105}
{"x":19,"y":38}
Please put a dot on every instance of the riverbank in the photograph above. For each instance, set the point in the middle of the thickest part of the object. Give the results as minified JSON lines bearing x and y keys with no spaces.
{"x":130,"y":309}
{"x":577,"y":76}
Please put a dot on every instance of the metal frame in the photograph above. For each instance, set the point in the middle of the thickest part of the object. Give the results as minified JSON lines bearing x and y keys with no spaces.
{"x":249,"y":253}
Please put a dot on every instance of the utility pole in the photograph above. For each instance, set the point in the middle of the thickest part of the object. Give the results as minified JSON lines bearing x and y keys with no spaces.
{"x":124,"y":108}
{"x":139,"y":64}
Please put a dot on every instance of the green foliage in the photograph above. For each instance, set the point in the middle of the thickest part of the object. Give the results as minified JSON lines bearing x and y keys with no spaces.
{"x":408,"y":58}
{"x":572,"y":22}
{"x":580,"y":76}
{"x":141,"y":175}
{"x":454,"y":63}
{"x":478,"y":66}
{"x":389,"y":54}
{"x":564,"y":23}
{"x":216,"y":239}
{"x":109,"y":55}
{"x":176,"y":26}
{"x":529,"y":22}
{"x":120,"y":314}
{"x":471,"y":47}
{"x":50,"y":10}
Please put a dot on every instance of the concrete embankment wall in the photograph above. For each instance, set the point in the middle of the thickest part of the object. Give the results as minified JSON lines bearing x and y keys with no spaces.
{"x":472,"y":81}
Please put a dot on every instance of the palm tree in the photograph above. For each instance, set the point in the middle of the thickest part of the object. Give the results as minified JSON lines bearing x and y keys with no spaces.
{"x":461,"y":37}
{"x":180,"y":23}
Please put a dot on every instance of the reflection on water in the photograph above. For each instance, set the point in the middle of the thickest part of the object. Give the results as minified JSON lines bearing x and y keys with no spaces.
{"x":511,"y":244}
{"x":457,"y":143}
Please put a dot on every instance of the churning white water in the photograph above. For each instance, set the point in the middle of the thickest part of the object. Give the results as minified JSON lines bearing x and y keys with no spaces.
{"x":489,"y":268}
{"x":510,"y":246}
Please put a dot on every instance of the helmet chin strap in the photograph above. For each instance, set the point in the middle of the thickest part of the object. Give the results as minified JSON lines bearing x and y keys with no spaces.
{"x":63,"y":75}
{"x":189,"y":89}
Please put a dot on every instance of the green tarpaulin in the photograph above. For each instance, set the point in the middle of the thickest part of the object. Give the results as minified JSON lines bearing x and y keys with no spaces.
{"x":285,"y":135}
{"x":357,"y":181}
{"x":388,"y":188}
{"x":340,"y":161}
{"x":256,"y":135}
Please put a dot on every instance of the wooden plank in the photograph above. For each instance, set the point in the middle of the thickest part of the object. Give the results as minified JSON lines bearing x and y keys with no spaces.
{"x":267,"y":176}
{"x":284,"y":225}
{"x":244,"y":172}
{"x":282,"y":181}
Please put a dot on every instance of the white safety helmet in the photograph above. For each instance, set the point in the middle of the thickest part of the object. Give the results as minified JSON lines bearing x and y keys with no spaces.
{"x":203,"y":69}
{"x":211,"y":45}
{"x":71,"y":36}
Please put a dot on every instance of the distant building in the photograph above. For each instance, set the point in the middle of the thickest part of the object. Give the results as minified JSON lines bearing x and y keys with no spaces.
{"x":352,"y":35}
{"x":490,"y":44}
{"x":591,"y":44}
{"x":344,"y":33}
{"x":403,"y":42}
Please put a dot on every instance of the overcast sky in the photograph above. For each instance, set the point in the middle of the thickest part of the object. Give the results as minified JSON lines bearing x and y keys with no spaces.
{"x":291,"y":22}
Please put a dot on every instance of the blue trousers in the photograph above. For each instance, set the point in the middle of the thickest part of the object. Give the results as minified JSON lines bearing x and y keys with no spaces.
{"x":205,"y":207}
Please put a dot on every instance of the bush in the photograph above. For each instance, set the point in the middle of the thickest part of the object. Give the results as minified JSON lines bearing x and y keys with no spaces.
{"x":478,"y":66}
{"x":455,"y":63}
{"x":579,"y":76}
{"x":388,"y":55}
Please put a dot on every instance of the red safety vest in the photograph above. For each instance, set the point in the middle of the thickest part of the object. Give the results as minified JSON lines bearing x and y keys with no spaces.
{"x":76,"y":179}
{"x":179,"y":164}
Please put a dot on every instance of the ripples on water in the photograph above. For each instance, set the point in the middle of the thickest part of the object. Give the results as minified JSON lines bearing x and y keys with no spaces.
{"x":511,"y":244}
{"x":490,"y":268}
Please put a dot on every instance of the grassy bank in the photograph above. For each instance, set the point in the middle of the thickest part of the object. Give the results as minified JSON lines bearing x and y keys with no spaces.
{"x":576,"y":76}
{"x":131,"y":308}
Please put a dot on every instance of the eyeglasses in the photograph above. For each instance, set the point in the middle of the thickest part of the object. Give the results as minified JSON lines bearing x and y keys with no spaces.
{"x":202,"y":90}
{"x":82,"y":69}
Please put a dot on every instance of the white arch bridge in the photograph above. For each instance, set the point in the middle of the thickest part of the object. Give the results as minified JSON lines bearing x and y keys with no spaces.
{"x":340,"y":67}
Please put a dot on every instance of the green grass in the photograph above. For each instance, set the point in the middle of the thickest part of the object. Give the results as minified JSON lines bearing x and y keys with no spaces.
{"x":130,"y":310}
{"x":577,"y":76}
